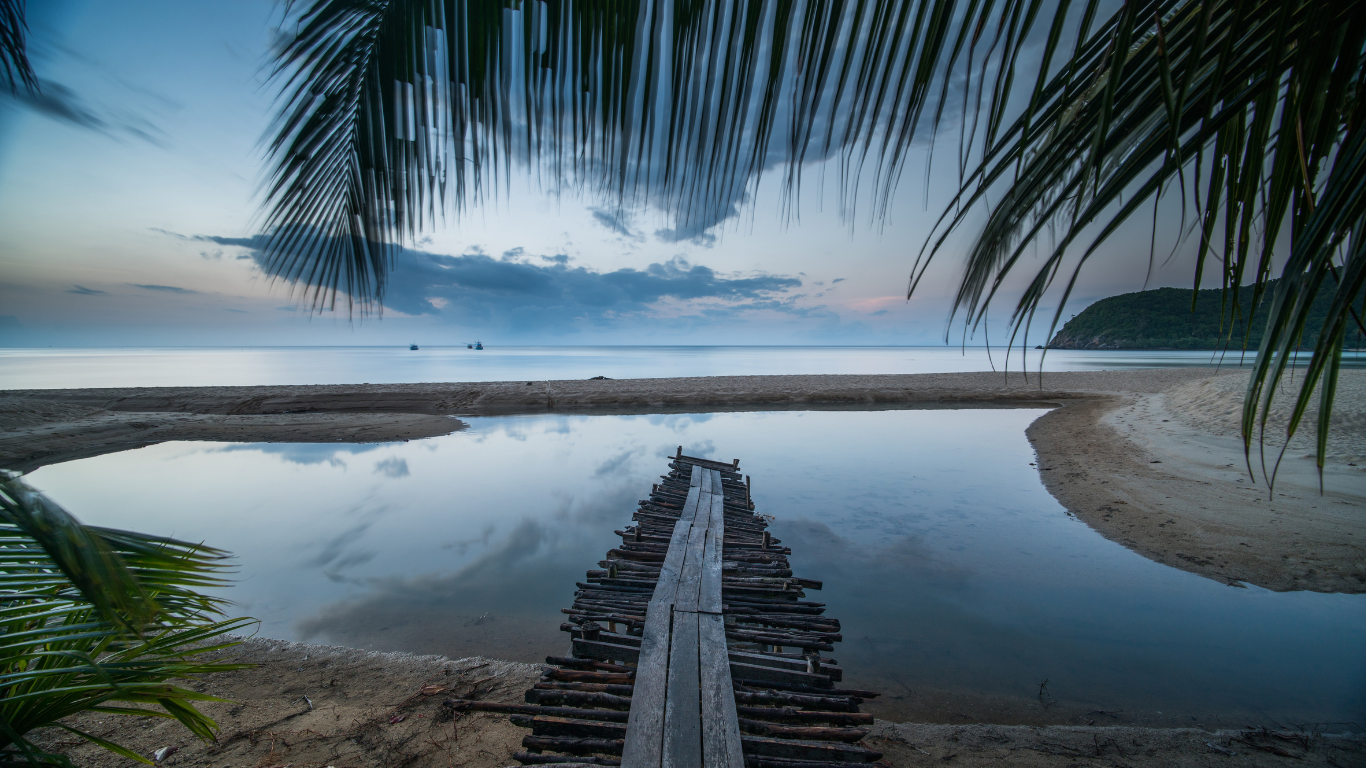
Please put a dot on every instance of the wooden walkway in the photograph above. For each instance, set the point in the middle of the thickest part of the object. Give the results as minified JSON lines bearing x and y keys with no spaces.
{"x":693,"y":647}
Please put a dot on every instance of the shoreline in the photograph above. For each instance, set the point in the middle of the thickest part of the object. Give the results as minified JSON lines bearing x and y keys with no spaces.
{"x":1132,"y":453}
{"x":313,"y":705}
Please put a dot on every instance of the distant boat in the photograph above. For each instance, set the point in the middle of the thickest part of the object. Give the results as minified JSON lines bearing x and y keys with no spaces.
{"x":478,"y":345}
{"x":469,"y":346}
{"x":412,"y":346}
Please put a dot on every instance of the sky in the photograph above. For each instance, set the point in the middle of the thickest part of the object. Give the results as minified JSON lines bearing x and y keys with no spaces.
{"x":130,"y":212}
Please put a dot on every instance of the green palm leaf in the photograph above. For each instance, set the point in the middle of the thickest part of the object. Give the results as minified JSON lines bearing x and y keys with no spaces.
{"x":94,"y":618}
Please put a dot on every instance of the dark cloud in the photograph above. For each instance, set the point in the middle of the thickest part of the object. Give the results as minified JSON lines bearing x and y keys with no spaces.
{"x":81,"y":290}
{"x":837,"y":280}
{"x":163,"y":288}
{"x":519,"y":292}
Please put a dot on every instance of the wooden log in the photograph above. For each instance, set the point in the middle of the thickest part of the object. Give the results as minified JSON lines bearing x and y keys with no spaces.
{"x":748,"y":685}
{"x":757,"y":761}
{"x":586,"y":699}
{"x":615,"y":690}
{"x":739,"y":604}
{"x":527,"y":758}
{"x":646,"y":557}
{"x":806,"y":701}
{"x":793,"y":715}
{"x":605,"y":715}
{"x":813,"y":733}
{"x":590,"y":649}
{"x":800,"y":665}
{"x":572,"y":663}
{"x":754,"y":674}
{"x":587,"y":676}
{"x":545,"y":725}
{"x":768,"y":747}
{"x":776,"y":639}
{"x":573,"y":746}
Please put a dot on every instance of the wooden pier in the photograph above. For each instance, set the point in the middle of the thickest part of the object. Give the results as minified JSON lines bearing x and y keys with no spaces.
{"x":692,"y":647}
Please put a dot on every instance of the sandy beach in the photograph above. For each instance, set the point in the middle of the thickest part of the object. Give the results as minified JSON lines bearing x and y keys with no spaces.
{"x":315,"y":706}
{"x":1149,"y":458}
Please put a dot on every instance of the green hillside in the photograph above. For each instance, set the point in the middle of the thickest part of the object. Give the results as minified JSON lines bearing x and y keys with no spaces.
{"x":1162,"y":319}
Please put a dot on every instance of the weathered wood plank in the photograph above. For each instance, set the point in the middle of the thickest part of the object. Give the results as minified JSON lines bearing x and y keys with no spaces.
{"x":720,"y":730}
{"x":683,"y":707}
{"x":690,"y":580}
{"x":757,"y":672}
{"x":645,"y":725}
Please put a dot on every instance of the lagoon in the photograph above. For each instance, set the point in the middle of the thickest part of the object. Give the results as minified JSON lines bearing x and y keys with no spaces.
{"x":966,"y":592}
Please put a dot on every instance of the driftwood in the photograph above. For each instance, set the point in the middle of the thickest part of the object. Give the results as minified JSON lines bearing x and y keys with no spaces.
{"x":746,"y":685}
{"x":806,"y":701}
{"x":770,"y":747}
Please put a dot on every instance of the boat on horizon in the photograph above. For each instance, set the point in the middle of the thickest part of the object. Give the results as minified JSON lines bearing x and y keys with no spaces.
{"x":412,"y":346}
{"x":478,"y":345}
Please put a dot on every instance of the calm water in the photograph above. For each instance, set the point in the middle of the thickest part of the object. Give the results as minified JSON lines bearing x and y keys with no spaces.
{"x":962,"y":585}
{"x":162,"y":367}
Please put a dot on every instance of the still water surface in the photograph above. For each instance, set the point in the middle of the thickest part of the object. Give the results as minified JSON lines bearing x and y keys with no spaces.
{"x":226,"y":366}
{"x":962,"y":585}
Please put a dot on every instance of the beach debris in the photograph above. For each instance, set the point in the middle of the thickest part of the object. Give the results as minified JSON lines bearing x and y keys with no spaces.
{"x":1220,"y":749}
{"x":432,"y":690}
{"x":599,"y":378}
{"x":163,"y":753}
{"x":396,"y":719}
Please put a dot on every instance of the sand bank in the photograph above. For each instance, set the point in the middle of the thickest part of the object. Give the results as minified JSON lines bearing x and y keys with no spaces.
{"x":309,"y":705}
{"x":1150,"y":458}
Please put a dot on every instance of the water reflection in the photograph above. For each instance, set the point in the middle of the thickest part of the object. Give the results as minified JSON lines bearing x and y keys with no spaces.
{"x":965,"y":591}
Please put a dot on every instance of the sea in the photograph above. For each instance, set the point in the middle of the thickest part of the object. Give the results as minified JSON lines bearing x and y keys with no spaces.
{"x":61,"y":368}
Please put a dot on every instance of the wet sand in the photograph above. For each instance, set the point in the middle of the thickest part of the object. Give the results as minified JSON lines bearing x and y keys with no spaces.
{"x":314,"y":706}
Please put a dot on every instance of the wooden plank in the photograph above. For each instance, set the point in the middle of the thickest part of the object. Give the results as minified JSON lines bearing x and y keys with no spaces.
{"x":695,"y":494}
{"x":709,"y":598}
{"x":667,"y":586}
{"x":721,"y":746}
{"x":645,"y":725}
{"x":683,"y":707}
{"x":690,"y":580}
{"x":764,"y":660}
{"x":696,"y":476}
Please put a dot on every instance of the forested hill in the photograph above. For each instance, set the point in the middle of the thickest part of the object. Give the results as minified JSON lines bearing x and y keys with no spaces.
{"x":1162,"y":319}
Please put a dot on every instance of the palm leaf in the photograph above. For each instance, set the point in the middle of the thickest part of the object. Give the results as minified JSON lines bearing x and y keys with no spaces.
{"x":13,"y":47}
{"x":95,"y":618}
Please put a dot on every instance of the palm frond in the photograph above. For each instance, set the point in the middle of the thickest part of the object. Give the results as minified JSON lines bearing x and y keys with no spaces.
{"x":14,"y":47}
{"x":95,"y":618}
{"x":1259,"y":104}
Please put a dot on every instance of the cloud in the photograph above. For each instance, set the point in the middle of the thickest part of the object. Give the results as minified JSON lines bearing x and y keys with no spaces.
{"x":619,"y":222}
{"x":837,"y":280}
{"x":519,"y":292}
{"x":163,"y":288}
{"x":392,"y":467}
{"x":81,"y":290}
{"x":240,"y":311}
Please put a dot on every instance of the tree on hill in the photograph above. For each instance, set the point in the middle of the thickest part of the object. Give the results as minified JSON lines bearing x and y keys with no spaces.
{"x":1174,"y":318}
